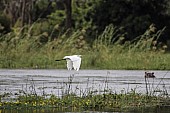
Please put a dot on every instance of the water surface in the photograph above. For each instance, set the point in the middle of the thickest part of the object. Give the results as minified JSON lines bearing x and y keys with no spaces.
{"x":57,"y":81}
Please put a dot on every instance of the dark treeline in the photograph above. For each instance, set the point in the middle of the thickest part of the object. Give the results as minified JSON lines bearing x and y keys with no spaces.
{"x":133,"y":17}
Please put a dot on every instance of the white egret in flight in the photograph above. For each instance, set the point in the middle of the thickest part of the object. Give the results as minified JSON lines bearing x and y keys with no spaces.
{"x":73,"y":62}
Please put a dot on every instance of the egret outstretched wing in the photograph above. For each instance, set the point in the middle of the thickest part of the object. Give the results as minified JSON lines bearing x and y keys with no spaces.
{"x":73,"y":61}
{"x":69,"y":64}
{"x":76,"y":64}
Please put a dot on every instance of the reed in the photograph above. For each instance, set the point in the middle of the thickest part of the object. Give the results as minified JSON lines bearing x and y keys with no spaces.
{"x":24,"y":49}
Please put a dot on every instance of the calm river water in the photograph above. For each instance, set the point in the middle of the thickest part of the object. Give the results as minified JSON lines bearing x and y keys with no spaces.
{"x":59,"y":82}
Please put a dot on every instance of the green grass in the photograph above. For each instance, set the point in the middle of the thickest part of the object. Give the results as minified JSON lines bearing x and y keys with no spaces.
{"x":90,"y":60}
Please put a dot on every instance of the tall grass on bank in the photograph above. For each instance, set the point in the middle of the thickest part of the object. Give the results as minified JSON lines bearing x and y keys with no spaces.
{"x":24,"y":49}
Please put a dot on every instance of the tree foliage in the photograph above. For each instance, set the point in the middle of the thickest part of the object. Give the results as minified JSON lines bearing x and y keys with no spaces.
{"x":134,"y":15}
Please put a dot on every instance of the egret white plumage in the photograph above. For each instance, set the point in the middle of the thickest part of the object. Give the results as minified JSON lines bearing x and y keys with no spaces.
{"x":73,"y":62}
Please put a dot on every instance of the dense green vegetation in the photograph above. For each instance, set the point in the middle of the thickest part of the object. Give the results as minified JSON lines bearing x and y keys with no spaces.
{"x":120,"y":34}
{"x":30,"y":52}
{"x":104,"y":102}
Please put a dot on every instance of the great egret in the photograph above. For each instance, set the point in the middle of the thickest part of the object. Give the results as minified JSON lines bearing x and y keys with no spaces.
{"x":73,"y":62}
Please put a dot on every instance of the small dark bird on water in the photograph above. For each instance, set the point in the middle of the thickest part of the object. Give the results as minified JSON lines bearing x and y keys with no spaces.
{"x":149,"y":75}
